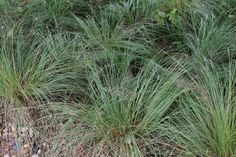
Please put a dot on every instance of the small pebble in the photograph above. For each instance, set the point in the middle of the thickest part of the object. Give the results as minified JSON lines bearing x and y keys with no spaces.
{"x":26,"y":145}
{"x":13,"y":129}
{"x":6,"y":155}
{"x":39,"y":152}
{"x":5,"y":130}
{"x":5,"y":134}
{"x":44,"y":144}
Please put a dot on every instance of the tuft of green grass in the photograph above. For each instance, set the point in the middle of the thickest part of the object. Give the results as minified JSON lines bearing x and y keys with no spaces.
{"x":207,"y":119}
{"x":99,"y":35}
{"x":36,"y":70}
{"x":210,"y":39}
{"x":127,"y":114}
{"x":132,"y":11}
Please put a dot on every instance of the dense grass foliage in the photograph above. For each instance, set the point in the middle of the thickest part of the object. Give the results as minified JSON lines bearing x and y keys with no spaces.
{"x":121,"y":78}
{"x":208,"y":113}
{"x":129,"y":111}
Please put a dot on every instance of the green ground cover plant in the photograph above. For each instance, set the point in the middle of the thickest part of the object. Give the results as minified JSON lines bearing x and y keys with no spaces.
{"x":117,"y":78}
